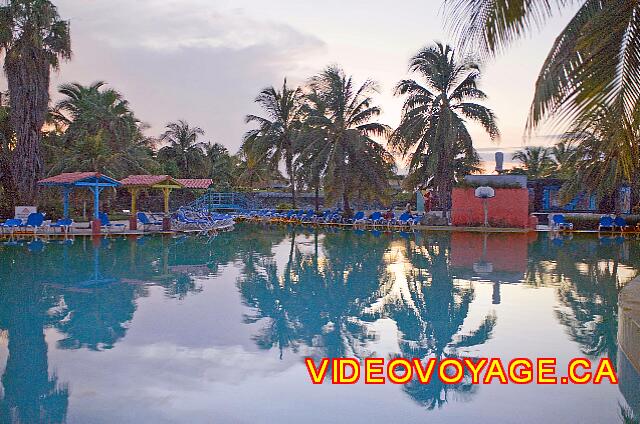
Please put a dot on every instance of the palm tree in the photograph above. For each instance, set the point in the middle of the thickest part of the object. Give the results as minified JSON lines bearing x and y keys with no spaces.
{"x":221,"y":166}
{"x":252,"y":170}
{"x":32,"y":39}
{"x":607,"y":153}
{"x":536,"y":161}
{"x":7,"y":142}
{"x":593,"y":61}
{"x":276,"y":134}
{"x":338,"y":141}
{"x":184,"y":149}
{"x":563,"y":155}
{"x":99,"y":132}
{"x":432,"y":133}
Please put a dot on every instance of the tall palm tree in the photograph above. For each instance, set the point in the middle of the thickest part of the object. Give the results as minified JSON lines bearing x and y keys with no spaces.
{"x":7,"y":142}
{"x":536,"y":161}
{"x":33,"y":39}
{"x":563,"y":155}
{"x":252,"y":170}
{"x":276,"y":134}
{"x":432,"y":133}
{"x":221,"y":166}
{"x":339,"y":141}
{"x":184,"y":149}
{"x":98,"y":132}
{"x":594,"y":59}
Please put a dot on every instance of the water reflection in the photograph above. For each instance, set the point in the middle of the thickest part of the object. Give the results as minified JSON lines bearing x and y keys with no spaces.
{"x":312,"y":293}
{"x":429,"y":305}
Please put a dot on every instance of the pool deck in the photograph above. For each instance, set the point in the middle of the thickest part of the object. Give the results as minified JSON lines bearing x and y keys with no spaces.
{"x":629,"y":325}
{"x":84,"y":229}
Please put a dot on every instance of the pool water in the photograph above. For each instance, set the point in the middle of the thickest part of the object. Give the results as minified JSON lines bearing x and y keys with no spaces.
{"x":198,"y":330}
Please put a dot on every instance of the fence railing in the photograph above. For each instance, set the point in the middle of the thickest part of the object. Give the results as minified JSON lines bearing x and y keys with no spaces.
{"x":211,"y":201}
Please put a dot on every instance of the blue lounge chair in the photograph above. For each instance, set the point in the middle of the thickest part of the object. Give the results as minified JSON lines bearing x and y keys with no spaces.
{"x":606,"y":223}
{"x":145,"y":221}
{"x":11,"y":225}
{"x":64,"y":224}
{"x":358,"y":218}
{"x":620,"y":223}
{"x":405,"y":220}
{"x":104,"y":222}
{"x":34,"y":221}
{"x":559,"y":223}
{"x":376,"y":219}
{"x":309,"y":217}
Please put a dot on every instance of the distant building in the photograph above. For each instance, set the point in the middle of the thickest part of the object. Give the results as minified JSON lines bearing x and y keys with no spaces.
{"x":544,"y":196}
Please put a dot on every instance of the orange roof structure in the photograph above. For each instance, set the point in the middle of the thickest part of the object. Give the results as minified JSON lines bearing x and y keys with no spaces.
{"x":150,"y":181}
{"x":195,"y":183}
{"x":70,"y":178}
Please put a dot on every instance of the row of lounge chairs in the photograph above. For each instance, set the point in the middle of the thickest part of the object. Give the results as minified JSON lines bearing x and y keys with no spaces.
{"x":605,"y":224}
{"x":330,"y":217}
{"x":187,"y":219}
{"x":35,"y":223}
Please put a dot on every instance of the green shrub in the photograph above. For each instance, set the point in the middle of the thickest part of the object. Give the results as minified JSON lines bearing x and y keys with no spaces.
{"x":284,"y":206}
{"x":590,"y":222}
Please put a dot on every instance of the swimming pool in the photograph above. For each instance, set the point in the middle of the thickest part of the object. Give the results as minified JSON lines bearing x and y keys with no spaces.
{"x":187,"y":329}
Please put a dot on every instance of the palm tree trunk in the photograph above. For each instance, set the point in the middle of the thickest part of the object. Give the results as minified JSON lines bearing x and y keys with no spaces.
{"x":292,"y":179}
{"x":345,"y":203}
{"x":28,"y":81}
{"x":444,"y":193}
{"x":317,"y":197}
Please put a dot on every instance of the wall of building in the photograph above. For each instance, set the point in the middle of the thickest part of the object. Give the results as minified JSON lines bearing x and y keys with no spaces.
{"x":509,"y":208}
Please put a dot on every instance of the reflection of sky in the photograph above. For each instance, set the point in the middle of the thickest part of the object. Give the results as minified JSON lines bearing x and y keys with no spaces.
{"x":205,"y":60}
{"x":168,"y":371}
{"x":193,"y":359}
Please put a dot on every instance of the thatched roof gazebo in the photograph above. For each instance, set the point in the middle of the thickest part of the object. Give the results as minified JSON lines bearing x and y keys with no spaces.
{"x":166,"y":183}
{"x":94,"y":181}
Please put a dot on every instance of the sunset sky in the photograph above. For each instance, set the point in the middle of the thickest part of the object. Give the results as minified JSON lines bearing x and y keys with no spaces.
{"x":205,"y":60}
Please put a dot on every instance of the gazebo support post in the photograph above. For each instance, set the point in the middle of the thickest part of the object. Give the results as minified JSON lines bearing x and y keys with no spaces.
{"x":95,"y":223}
{"x":65,"y":201}
{"x":133,"y":220}
{"x":166,"y":220}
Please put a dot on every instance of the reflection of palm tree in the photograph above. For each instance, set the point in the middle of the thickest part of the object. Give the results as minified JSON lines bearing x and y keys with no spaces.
{"x":588,"y":285}
{"x":429,"y":316}
{"x":318,"y":301}
{"x":324,"y":300}
{"x":593,"y":301}
{"x":268,"y":296}
{"x":31,"y":395}
{"x":627,"y":415}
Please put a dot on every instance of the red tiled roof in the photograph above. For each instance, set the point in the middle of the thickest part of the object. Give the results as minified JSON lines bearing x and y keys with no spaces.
{"x":70,"y":177}
{"x":195,"y":183}
{"x":145,"y":180}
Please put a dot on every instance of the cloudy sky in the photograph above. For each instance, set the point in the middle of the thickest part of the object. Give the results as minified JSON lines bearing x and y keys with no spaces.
{"x":205,"y":60}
